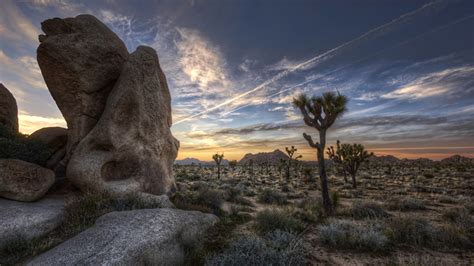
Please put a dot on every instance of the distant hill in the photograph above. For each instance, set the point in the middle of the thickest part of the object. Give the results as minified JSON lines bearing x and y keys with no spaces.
{"x":457,"y":159}
{"x":264,"y":157}
{"x":385,"y":159}
{"x":190,"y":161}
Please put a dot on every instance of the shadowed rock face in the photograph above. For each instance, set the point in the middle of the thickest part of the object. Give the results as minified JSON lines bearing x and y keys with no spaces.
{"x":131,"y":148}
{"x":117,"y":107}
{"x":8,"y":109}
{"x":80,"y":59}
{"x":56,"y":139}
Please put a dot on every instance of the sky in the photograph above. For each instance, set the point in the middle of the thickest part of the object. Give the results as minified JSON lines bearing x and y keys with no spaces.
{"x":233,"y":68}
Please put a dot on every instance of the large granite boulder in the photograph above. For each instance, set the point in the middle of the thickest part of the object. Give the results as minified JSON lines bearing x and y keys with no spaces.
{"x":8,"y":110}
{"x":138,"y":237}
{"x":28,"y":220}
{"x":131,"y":148}
{"x":80,"y":59}
{"x":23,"y":181}
{"x":56,"y":139}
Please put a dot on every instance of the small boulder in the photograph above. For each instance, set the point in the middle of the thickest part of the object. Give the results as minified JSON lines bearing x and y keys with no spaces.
{"x":80,"y":59}
{"x":138,"y":237}
{"x":56,"y":139}
{"x":29,"y":220}
{"x":23,"y":181}
{"x":8,"y":110}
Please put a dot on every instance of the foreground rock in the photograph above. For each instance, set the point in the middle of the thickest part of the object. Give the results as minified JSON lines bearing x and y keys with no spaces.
{"x":80,"y":59}
{"x":8,"y":110}
{"x":23,"y":181}
{"x":139,"y":237}
{"x":56,"y":139}
{"x":20,"y":220}
{"x":131,"y":148}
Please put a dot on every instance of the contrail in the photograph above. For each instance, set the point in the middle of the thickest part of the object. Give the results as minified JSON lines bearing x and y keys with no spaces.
{"x":316,"y":59}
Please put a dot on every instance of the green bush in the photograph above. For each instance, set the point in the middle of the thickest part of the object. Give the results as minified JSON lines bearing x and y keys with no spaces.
{"x":412,"y":231}
{"x":18,"y":146}
{"x":271,"y":196}
{"x":270,"y":220}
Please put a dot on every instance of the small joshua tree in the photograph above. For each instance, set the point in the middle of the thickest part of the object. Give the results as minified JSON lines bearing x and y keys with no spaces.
{"x":321,"y":113}
{"x":232,"y":165}
{"x":218,"y":159}
{"x":349,"y":157}
{"x":291,"y":152}
{"x":336,"y":157}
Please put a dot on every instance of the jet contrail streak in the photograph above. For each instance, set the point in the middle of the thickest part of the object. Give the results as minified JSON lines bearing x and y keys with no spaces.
{"x":316,"y":59}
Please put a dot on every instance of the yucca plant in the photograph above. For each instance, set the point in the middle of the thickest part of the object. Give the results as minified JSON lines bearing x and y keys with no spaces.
{"x":218,"y":159}
{"x":320,"y":113}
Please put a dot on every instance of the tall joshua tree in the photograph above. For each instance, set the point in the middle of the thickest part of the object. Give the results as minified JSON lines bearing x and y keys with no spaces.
{"x":349,"y":157}
{"x":218,"y":159}
{"x":321,"y":113}
{"x":290,"y":152}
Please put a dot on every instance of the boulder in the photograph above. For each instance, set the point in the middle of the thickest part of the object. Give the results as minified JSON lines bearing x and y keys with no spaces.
{"x":131,"y":148}
{"x":56,"y":139}
{"x":23,"y":181}
{"x":80,"y":59}
{"x":138,"y":237}
{"x":8,"y":110}
{"x":21,"y":220}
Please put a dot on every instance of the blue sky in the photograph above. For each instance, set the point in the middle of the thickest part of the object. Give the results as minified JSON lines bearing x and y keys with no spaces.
{"x":233,"y":68}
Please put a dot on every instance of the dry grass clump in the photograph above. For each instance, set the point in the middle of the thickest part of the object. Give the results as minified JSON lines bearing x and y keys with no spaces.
{"x":275,"y":219}
{"x":348,"y":234}
{"x":270,"y":196}
{"x":370,"y":210}
{"x":275,"y":248}
{"x":405,"y":204}
{"x":204,"y":200}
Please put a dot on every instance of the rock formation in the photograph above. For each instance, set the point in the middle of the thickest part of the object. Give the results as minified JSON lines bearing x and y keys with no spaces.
{"x":117,"y":107}
{"x":56,"y":139}
{"x":139,"y":237}
{"x":8,"y":110}
{"x":80,"y":59}
{"x":24,"y":181}
{"x":131,"y":147}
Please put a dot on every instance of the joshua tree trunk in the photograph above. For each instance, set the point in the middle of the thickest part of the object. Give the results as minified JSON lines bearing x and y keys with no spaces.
{"x":322,"y":174}
{"x":218,"y":171}
{"x":354,"y":183}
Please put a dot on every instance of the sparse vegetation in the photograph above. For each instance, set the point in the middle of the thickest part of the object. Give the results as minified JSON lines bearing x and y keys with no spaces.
{"x":405,"y":204}
{"x":370,"y":210}
{"x":270,"y":196}
{"x":275,"y":219}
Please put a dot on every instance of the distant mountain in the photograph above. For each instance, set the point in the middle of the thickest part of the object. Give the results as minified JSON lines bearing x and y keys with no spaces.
{"x":385,"y":159}
{"x":190,"y":161}
{"x":457,"y":159}
{"x":263,"y":157}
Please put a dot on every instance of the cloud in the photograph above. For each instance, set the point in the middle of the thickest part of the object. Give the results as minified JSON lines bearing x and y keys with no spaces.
{"x":445,"y":82}
{"x":15,"y":26}
{"x":30,"y":123}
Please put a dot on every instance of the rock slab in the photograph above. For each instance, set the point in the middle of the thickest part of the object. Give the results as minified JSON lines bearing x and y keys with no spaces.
{"x":29,"y":220}
{"x":56,"y":140}
{"x":138,"y":237}
{"x":24,"y":181}
{"x":131,"y":148}
{"x":8,"y":110}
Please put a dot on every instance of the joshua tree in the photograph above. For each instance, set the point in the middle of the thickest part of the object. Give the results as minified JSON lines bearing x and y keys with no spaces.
{"x":218,"y":159}
{"x":291,"y":152}
{"x":350,"y":157}
{"x":321,"y":113}
{"x":232,"y":165}
{"x":336,"y":157}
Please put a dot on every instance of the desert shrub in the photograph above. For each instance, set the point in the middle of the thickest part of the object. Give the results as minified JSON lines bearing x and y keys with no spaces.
{"x":311,"y":211}
{"x":335,"y":199}
{"x":185,"y":201}
{"x":270,"y":220}
{"x":428,"y":175}
{"x":371,"y":210}
{"x":18,"y":146}
{"x":277,"y":248}
{"x":405,"y":204}
{"x":271,"y":196}
{"x":412,"y":231}
{"x":447,"y":199}
{"x":349,"y":235}
{"x":243,"y":201}
{"x":210,"y":197}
